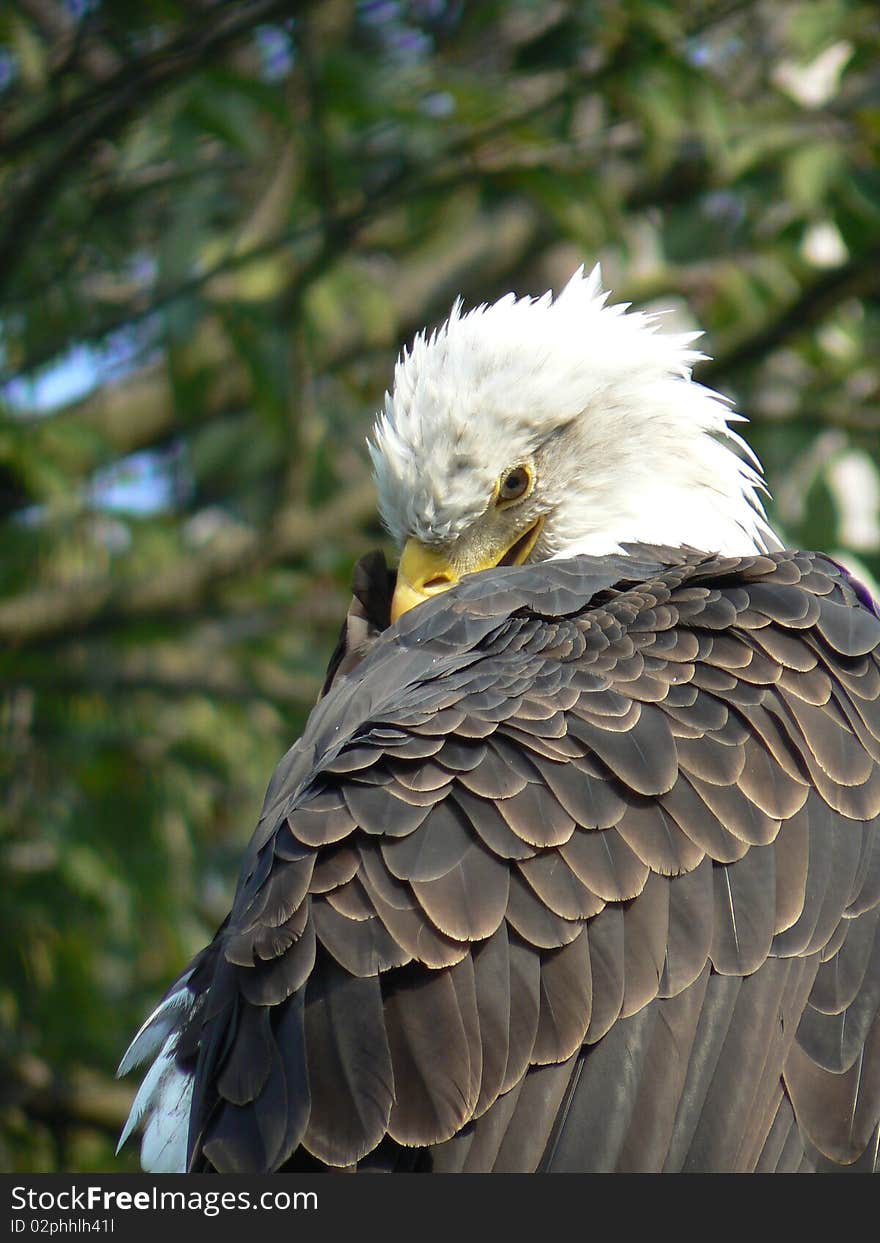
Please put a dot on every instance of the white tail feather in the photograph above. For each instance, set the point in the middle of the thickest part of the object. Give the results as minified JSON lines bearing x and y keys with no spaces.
{"x":155,"y":1028}
{"x":164,"y":1099}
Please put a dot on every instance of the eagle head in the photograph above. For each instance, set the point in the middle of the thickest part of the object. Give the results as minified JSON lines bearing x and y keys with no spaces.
{"x":545,"y":427}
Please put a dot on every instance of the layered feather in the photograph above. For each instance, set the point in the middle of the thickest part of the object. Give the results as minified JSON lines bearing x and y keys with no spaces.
{"x":578,"y":868}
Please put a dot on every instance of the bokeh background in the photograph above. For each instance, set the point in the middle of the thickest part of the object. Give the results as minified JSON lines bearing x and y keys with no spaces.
{"x":219,"y":223}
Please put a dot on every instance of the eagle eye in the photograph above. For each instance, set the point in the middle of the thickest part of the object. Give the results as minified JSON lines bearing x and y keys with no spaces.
{"x":513,"y":485}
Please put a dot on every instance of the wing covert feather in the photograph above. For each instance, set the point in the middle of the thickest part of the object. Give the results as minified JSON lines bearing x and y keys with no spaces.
{"x":536,"y":885}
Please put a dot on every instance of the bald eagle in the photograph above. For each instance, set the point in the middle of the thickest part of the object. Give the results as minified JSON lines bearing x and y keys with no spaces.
{"x":576,"y":865}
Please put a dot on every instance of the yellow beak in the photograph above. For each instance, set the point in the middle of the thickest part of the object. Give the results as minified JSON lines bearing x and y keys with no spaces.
{"x":424,"y":572}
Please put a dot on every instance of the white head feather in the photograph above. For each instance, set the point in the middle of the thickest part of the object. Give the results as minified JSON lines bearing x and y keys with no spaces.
{"x":625,"y":445}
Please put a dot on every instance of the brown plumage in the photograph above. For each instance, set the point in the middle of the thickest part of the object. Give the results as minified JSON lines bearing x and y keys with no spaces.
{"x":577,"y":867}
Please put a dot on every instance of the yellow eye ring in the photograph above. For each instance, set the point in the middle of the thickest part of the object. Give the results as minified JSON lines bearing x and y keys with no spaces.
{"x":513,"y":485}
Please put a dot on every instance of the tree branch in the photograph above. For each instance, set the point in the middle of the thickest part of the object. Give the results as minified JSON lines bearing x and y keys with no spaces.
{"x":83,"y":1098}
{"x":146,"y":74}
{"x":453,"y":167}
{"x":109,"y":106}
{"x":855,"y":279}
{"x":56,"y":23}
{"x":199,"y":665}
{"x":187,"y":584}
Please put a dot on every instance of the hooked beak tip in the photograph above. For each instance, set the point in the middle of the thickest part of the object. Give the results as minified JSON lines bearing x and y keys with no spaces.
{"x":421,"y":574}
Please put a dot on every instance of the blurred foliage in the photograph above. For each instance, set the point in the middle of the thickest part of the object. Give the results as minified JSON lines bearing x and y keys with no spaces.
{"x":221,"y":221}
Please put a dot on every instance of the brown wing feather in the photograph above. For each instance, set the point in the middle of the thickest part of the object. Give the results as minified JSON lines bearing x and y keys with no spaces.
{"x":575,"y":868}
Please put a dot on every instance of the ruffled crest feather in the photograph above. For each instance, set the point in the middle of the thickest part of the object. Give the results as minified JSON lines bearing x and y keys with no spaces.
{"x":491,"y":386}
